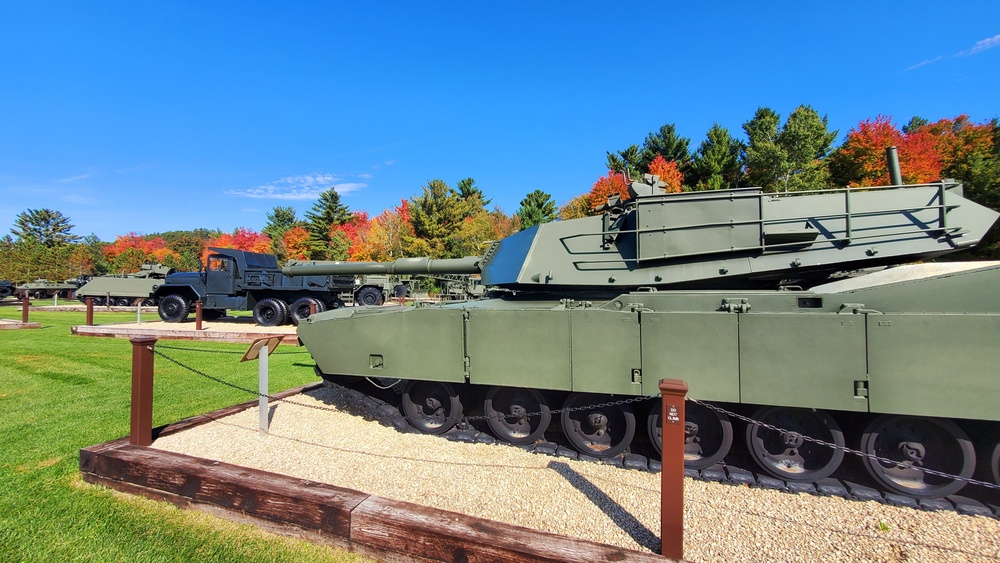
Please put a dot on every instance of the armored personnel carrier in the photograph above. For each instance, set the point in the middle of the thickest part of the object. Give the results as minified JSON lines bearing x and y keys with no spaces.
{"x":790,"y":311}
{"x":43,"y":288}
{"x":126,"y":289}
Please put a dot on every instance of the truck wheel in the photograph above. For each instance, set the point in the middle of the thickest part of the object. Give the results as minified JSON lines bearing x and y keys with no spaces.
{"x":174,"y":308}
{"x":270,"y":312}
{"x":299,"y":310}
{"x":123,"y":301}
{"x":39,"y":294}
{"x":369,"y":296}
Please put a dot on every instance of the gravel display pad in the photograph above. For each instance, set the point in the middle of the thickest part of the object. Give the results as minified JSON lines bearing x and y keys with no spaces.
{"x":585,"y":500}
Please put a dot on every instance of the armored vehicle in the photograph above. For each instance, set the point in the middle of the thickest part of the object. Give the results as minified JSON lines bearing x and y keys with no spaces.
{"x":376,"y":289}
{"x":43,"y":288}
{"x":788,"y":310}
{"x":126,"y":289}
{"x":6,"y":289}
{"x":247,"y":281}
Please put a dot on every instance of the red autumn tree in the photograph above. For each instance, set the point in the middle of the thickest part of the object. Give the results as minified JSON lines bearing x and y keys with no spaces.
{"x":147,"y":246}
{"x":355,"y":231}
{"x":606,"y":186}
{"x":668,"y":172}
{"x":240,"y":239}
{"x":861,"y":160}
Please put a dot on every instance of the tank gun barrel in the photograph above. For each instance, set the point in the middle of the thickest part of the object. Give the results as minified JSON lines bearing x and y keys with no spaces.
{"x":402,"y":266}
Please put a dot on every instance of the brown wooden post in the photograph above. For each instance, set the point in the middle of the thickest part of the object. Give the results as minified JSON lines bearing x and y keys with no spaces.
{"x":197,"y":315}
{"x":90,"y":311}
{"x":673,"y":393}
{"x":25,"y":304}
{"x":312,"y":308}
{"x":142,"y":391}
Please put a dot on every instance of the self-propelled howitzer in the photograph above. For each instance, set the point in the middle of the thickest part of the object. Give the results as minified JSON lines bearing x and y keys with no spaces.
{"x":773,"y":306}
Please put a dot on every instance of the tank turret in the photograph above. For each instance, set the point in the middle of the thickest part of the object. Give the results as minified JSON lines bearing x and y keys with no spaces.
{"x":725,"y":238}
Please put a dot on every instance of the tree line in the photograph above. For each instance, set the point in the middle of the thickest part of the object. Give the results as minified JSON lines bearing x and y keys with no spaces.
{"x":794,"y":154}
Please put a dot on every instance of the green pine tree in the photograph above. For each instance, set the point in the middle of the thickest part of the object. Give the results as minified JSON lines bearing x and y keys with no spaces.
{"x":536,"y":208}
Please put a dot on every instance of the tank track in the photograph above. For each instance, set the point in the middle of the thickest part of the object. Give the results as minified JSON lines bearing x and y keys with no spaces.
{"x":853,"y":486}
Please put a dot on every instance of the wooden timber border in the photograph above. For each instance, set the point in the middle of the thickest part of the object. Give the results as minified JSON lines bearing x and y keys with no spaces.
{"x":219,"y":332}
{"x":377,"y":527}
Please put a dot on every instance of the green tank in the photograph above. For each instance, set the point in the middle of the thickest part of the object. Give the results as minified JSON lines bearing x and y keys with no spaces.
{"x":43,"y":288}
{"x":126,"y":289}
{"x":789,"y":310}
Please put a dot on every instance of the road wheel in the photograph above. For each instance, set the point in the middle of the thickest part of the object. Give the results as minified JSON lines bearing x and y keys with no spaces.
{"x":369,"y":296}
{"x":299,"y":309}
{"x":787,"y":454}
{"x":432,"y":407}
{"x":907,"y":445}
{"x":174,"y":308}
{"x":596,"y":428}
{"x":270,"y":312}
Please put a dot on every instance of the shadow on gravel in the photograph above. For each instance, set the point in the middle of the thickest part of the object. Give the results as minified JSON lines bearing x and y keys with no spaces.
{"x":621,"y":517}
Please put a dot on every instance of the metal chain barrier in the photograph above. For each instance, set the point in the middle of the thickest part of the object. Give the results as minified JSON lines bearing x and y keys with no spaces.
{"x":844,"y":449}
{"x":233,"y":385}
{"x":467,"y":419}
{"x":182,"y":348}
{"x":637,"y":399}
{"x":619,"y":402}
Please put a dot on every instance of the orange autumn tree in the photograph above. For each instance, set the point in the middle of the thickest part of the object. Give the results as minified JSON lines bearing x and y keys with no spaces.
{"x":296,"y":243}
{"x":606,"y":186}
{"x":240,"y":239}
{"x":355,"y":232}
{"x":668,"y":172}
{"x":861,"y":161}
{"x":391,"y":234}
{"x":959,"y":142}
{"x":129,"y":252}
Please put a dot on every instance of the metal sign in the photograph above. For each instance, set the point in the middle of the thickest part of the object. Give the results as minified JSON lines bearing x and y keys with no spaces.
{"x":270,"y":343}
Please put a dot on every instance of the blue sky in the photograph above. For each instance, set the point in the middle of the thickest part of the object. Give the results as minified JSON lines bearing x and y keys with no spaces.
{"x":154,"y":116}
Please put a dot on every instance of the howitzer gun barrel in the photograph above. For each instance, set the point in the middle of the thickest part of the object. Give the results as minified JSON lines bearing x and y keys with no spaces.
{"x":402,"y":266}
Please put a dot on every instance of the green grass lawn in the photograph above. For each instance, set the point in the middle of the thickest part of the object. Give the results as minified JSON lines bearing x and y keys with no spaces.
{"x":60,"y":393}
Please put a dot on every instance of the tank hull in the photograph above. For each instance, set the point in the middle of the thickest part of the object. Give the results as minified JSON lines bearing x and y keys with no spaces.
{"x":904,"y":346}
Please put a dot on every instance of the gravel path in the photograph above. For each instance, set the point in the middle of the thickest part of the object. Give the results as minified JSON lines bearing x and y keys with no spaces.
{"x":579,"y":499}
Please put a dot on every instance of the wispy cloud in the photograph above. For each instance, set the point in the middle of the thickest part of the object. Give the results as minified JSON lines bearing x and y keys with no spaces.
{"x":73,"y":179}
{"x":979,"y":47}
{"x":308,"y":186}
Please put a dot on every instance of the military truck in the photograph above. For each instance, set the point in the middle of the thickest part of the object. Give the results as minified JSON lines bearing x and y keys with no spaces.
{"x":248,"y":281}
{"x":126,"y":289}
{"x":378,"y":289}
